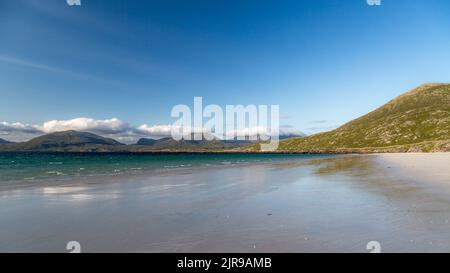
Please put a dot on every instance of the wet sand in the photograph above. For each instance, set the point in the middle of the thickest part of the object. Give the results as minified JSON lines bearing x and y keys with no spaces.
{"x":320,"y":205}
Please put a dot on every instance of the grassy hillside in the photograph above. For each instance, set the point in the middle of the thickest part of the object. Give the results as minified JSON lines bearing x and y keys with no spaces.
{"x":416,"y":121}
{"x":63,"y":141}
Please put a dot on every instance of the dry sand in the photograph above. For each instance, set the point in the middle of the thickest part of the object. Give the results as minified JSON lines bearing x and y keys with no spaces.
{"x":423,"y":167}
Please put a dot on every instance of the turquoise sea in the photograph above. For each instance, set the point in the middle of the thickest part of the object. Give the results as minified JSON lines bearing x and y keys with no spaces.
{"x":33,"y":167}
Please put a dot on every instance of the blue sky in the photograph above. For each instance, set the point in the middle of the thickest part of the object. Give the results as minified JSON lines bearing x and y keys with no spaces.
{"x":324,"y":62}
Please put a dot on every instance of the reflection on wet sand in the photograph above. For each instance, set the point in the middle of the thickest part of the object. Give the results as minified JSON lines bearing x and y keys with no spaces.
{"x":334,"y":204}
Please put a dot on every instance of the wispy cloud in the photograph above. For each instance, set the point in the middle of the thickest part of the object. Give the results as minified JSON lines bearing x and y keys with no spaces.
{"x":20,"y":62}
{"x":319,"y":126}
{"x":319,"y":121}
{"x":45,"y":67}
{"x":319,"y":129}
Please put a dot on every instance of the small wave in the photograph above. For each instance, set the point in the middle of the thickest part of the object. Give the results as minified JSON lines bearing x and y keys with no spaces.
{"x":178,"y":166}
{"x":55,"y":173}
{"x":55,"y":163}
{"x":171,"y":166}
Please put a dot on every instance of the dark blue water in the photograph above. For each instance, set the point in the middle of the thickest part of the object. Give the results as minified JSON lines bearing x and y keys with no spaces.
{"x":20,"y":166}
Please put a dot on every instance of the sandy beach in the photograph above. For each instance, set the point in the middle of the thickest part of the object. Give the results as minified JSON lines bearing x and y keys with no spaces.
{"x":428,"y":168}
{"x":335,"y":204}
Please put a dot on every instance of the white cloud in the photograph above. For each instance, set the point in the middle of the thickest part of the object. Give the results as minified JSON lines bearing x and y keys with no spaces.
{"x":7,"y":127}
{"x":156,"y":130}
{"x":107,"y":126}
{"x":247,"y":132}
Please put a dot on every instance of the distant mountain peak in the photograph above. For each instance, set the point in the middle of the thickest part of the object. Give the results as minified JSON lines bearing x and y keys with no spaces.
{"x":146,"y":141}
{"x":65,"y":140}
{"x":3,"y":141}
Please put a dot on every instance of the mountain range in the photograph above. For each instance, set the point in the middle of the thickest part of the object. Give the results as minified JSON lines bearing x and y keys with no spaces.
{"x":67,"y":141}
{"x":74,"y":141}
{"x":417,"y":121}
{"x":170,"y":143}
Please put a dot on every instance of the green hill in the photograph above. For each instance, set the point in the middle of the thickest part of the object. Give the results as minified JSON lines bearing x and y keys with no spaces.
{"x":64,"y":141}
{"x":416,"y":121}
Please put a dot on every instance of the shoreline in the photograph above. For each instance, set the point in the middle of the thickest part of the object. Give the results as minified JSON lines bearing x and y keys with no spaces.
{"x":335,"y":204}
{"x":162,"y":152}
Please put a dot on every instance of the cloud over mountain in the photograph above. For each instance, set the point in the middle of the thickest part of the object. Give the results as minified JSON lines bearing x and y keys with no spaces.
{"x":107,"y":126}
{"x":114,"y":128}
